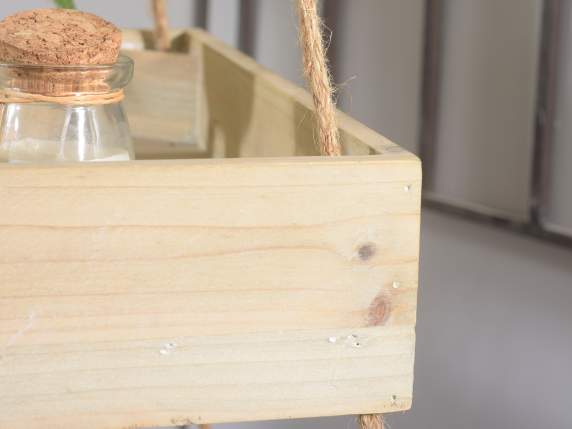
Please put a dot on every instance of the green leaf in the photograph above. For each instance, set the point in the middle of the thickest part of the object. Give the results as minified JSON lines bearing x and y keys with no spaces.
{"x":66,"y":4}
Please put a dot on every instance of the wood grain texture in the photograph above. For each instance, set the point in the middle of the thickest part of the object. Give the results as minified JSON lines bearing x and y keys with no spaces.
{"x":169,"y":292}
{"x":247,"y":103}
{"x":124,"y":384}
{"x":166,"y":114}
{"x":211,"y":100}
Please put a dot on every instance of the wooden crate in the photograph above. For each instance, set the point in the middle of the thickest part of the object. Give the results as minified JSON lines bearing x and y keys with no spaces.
{"x":265,"y":283}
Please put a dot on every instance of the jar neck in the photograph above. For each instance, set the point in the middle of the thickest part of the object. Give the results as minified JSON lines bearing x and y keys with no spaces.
{"x":65,"y":81}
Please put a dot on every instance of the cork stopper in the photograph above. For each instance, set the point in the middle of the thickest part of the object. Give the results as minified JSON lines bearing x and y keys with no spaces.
{"x":58,"y":37}
{"x":58,"y":52}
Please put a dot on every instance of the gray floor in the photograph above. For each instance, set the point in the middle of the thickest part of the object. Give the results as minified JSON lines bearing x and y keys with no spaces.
{"x":494,"y":333}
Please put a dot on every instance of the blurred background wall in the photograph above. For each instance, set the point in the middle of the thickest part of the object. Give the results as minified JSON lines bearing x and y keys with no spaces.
{"x":495,"y":320}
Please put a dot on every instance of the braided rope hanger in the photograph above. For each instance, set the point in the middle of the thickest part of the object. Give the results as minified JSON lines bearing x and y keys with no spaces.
{"x":161,"y":24}
{"x":319,"y":80}
{"x":318,"y":76}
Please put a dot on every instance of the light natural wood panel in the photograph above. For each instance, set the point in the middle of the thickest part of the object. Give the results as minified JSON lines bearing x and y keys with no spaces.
{"x":163,"y":102}
{"x":156,"y":293}
{"x":225,"y":240}
{"x":210,"y":100}
{"x":247,"y":103}
{"x":144,"y":383}
{"x":108,"y":256}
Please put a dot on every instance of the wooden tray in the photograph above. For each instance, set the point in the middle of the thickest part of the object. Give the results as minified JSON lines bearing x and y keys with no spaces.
{"x":262,"y":283}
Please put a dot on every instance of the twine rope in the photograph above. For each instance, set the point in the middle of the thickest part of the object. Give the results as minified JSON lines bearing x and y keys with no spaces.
{"x":319,"y":80}
{"x":371,"y":421}
{"x":318,"y":76}
{"x":80,"y":99}
{"x":161,"y":24}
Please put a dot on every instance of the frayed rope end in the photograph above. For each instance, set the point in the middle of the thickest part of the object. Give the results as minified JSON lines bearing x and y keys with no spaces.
{"x":371,"y":421}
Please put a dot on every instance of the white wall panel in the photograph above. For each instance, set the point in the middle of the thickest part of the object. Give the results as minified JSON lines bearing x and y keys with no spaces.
{"x":379,"y":57}
{"x":10,"y":7}
{"x":137,"y":13}
{"x":276,"y":43}
{"x":559,"y":210}
{"x":485,"y":129}
{"x":124,"y":13}
{"x":223,"y":20}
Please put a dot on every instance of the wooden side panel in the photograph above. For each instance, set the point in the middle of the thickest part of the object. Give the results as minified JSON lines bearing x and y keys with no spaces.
{"x":144,"y":384}
{"x":164,"y":102}
{"x":210,"y":100}
{"x":167,"y":292}
{"x":247,"y":103}
{"x":163,"y":105}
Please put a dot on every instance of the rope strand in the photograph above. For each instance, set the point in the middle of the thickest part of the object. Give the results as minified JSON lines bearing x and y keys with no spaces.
{"x":371,"y":421}
{"x":320,"y":82}
{"x":318,"y":76}
{"x":161,"y":25}
{"x":68,"y":100}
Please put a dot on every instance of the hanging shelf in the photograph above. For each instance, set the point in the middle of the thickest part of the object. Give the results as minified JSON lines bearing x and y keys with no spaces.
{"x":256,"y":281}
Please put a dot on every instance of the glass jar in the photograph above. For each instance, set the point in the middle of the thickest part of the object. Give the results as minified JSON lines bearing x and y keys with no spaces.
{"x":64,"y":113}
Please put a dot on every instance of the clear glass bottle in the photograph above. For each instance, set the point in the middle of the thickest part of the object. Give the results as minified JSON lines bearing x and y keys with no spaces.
{"x":88,"y":125}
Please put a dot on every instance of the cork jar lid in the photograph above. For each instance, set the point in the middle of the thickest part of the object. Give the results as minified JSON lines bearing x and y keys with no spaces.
{"x":58,"y":52}
{"x":58,"y":37}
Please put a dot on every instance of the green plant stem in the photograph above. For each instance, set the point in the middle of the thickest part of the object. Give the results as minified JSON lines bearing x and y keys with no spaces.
{"x":66,"y":4}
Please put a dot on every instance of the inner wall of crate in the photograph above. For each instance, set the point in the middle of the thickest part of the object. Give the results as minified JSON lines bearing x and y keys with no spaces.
{"x":206,"y":101}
